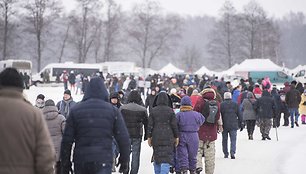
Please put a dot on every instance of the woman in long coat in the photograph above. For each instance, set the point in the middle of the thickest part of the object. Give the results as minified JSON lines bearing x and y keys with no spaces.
{"x":162,"y":133}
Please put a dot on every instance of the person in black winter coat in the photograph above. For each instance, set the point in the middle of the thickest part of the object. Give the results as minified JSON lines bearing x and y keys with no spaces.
{"x":162,"y":133}
{"x":232,"y":121}
{"x":265,"y":110}
{"x":115,"y":99}
{"x":150,"y":99}
{"x":92,"y":124}
{"x":278,"y":103}
{"x":136,"y":118}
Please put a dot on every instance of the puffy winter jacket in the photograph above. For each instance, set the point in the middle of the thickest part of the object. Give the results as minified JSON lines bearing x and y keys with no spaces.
{"x":293,"y":98}
{"x":265,"y":106}
{"x":231,"y":116}
{"x":56,"y":125}
{"x":162,"y":129}
{"x":92,"y":124}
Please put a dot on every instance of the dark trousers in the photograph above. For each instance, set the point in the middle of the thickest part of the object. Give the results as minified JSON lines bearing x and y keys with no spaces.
{"x":250,"y":124}
{"x":233,"y":138}
{"x":286,"y":116}
{"x":93,"y":168}
{"x":135,"y":148}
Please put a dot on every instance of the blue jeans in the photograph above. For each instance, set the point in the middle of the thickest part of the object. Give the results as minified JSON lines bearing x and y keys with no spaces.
{"x":135,"y":148}
{"x":93,"y":168}
{"x":163,"y":168}
{"x":294,"y":115}
{"x":233,"y":137}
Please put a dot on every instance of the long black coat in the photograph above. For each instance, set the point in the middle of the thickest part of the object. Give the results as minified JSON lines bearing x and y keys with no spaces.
{"x":92,"y":124}
{"x":162,"y":129}
{"x":265,"y":106}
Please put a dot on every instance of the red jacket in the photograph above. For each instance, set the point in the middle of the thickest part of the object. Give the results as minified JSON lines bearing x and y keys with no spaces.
{"x":207,"y":132}
{"x":194,"y":99}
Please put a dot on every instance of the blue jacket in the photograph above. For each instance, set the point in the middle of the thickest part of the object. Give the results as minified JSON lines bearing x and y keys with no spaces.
{"x":91,"y":125}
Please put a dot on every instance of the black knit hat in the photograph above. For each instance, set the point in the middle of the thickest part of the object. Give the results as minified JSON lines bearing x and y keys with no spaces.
{"x":10,"y":77}
{"x":40,"y":96}
{"x":67,"y":91}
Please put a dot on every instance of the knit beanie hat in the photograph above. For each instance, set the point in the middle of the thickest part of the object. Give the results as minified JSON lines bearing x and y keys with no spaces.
{"x":49,"y":103}
{"x":67,"y":91}
{"x":186,"y":101}
{"x":40,"y":96}
{"x":227,"y":95}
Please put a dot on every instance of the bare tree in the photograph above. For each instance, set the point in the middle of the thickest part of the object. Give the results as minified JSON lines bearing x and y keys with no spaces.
{"x":224,"y":41}
{"x":190,"y":58}
{"x":151,"y":33}
{"x":6,"y":9}
{"x":85,"y":26}
{"x":63,"y":44}
{"x":112,"y":26}
{"x":40,"y":14}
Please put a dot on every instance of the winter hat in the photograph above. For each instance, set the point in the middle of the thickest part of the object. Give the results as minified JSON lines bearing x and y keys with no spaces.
{"x":10,"y":77}
{"x":227,"y":95}
{"x":195,"y":92}
{"x":67,"y":91}
{"x":186,"y":101}
{"x":40,"y":96}
{"x":173,"y":91}
{"x":114,"y":95}
{"x":134,"y":97}
{"x":49,"y":103}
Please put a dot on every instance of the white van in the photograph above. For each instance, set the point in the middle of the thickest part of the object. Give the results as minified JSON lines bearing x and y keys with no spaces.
{"x":24,"y":66}
{"x":300,"y":76}
{"x":53,"y":71}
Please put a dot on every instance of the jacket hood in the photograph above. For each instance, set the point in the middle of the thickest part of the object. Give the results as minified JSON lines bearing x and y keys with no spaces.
{"x":265,"y":93}
{"x":134,"y":97}
{"x":50,"y":112}
{"x":209,"y":94}
{"x":162,"y":99}
{"x":96,"y":89}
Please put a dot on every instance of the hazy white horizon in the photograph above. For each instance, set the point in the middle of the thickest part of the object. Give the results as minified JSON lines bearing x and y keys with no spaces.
{"x":274,"y":8}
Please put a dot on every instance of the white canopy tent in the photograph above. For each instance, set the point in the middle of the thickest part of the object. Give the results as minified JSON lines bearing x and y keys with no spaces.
{"x":170,"y":69}
{"x":257,"y":65}
{"x":204,"y":70}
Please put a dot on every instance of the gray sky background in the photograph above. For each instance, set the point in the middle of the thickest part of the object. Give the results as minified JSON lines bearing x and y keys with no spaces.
{"x":274,"y":8}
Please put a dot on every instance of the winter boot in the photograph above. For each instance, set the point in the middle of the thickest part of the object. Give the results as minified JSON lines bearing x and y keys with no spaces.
{"x":233,"y":157}
{"x":296,"y":123}
{"x":263,"y":138}
{"x":268,"y":137}
{"x":192,"y":171}
{"x":184,"y":172}
{"x":199,"y":170}
{"x":250,"y":137}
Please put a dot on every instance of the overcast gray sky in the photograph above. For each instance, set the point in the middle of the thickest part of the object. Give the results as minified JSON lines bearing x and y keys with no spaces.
{"x":276,"y":8}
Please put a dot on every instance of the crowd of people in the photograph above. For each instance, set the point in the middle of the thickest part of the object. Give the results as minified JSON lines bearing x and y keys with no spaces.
{"x":179,"y":117}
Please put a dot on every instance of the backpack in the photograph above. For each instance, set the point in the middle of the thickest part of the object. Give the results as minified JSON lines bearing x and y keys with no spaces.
{"x":213,"y":110}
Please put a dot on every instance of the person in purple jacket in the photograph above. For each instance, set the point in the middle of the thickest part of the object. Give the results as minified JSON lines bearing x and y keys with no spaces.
{"x":189,"y":122}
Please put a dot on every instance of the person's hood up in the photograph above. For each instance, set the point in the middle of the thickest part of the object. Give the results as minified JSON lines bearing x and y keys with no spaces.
{"x":50,"y":112}
{"x":96,"y":89}
{"x":208,"y":93}
{"x":162,"y":99}
{"x":134,"y":97}
{"x":265,"y":93}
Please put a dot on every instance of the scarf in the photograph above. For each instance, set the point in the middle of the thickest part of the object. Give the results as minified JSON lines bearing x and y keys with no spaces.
{"x":185,"y":108}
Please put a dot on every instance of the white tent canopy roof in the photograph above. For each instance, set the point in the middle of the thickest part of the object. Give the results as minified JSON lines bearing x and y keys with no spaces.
{"x":257,"y":65}
{"x":170,"y":69}
{"x":204,"y":70}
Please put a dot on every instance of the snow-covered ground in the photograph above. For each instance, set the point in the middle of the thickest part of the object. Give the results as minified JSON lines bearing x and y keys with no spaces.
{"x":286,"y":156}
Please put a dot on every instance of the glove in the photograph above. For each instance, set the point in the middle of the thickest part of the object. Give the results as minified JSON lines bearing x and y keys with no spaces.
{"x":150,"y":142}
{"x":241,"y":129}
{"x":176,"y":142}
{"x":124,"y":167}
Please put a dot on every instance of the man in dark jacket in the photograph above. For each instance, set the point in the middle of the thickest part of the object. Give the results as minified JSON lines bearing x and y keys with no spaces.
{"x":150,"y":99}
{"x":135,"y":117}
{"x":66,"y":104}
{"x":92,"y":124}
{"x":293,"y":99}
{"x":265,"y":110}
{"x":232,"y":121}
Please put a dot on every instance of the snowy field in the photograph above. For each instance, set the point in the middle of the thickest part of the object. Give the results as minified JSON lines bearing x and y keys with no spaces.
{"x":286,"y":156}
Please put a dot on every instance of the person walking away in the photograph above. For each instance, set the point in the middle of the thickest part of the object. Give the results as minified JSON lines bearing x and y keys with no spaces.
{"x":91,"y":125}
{"x":194,"y":97}
{"x":26,"y":146}
{"x":265,"y":110}
{"x":162,"y":133}
{"x":64,"y":79}
{"x":278,"y":103}
{"x":78,"y":82}
{"x":189,"y":122}
{"x":232,"y":121}
{"x":56,"y":125}
{"x":71,"y":79}
{"x":293,"y":99}
{"x":150,"y":99}
{"x":257,"y":91}
{"x":40,"y":101}
{"x":136,"y":119}
{"x":27,"y":79}
{"x":66,"y":104}
{"x":303,"y":107}
{"x":208,"y":131}
{"x":236,"y":93}
{"x":249,"y":114}
{"x":284,"y":107}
